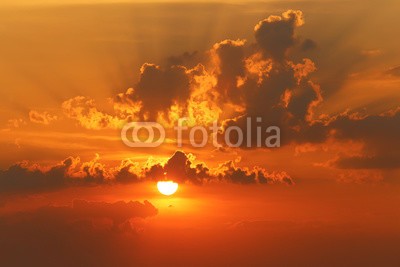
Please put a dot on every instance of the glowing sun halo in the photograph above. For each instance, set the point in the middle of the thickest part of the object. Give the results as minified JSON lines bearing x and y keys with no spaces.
{"x":167,"y":187}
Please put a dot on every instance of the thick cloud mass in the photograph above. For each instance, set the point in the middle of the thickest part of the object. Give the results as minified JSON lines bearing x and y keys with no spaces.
{"x":158,"y":88}
{"x":231,"y":66}
{"x":380,"y":134}
{"x":275,"y":35}
{"x":180,"y":167}
{"x":27,"y":178}
{"x":21,"y":177}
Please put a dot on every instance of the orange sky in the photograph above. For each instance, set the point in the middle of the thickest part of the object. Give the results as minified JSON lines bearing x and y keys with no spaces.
{"x":72,"y":73}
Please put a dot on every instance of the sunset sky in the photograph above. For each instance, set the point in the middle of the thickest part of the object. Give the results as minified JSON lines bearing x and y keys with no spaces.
{"x":74,"y":72}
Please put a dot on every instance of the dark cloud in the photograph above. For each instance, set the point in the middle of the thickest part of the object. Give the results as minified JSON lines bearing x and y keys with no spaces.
{"x":283,"y":96}
{"x":125,"y":174}
{"x":231,"y":173}
{"x":182,"y":168}
{"x":154,"y":172}
{"x":384,"y":128}
{"x":188,"y":59}
{"x":159,"y":88}
{"x":179,"y":168}
{"x":230,"y":56}
{"x":370,"y":162}
{"x":380,"y":134}
{"x":269,"y":87}
{"x":24,"y":177}
{"x":31,"y":178}
{"x":275,"y":35}
{"x":237,"y":175}
{"x":21,"y":177}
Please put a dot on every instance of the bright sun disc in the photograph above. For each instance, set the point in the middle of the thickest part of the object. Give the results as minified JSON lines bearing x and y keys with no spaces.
{"x":167,"y":187}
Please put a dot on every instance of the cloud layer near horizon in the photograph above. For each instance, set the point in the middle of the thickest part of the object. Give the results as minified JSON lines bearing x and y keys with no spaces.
{"x":27,"y":178}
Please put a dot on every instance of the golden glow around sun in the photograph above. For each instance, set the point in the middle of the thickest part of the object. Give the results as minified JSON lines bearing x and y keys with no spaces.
{"x":167,"y":187}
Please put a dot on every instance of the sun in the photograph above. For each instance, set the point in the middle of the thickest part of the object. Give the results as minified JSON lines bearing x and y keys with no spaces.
{"x":167,"y":187}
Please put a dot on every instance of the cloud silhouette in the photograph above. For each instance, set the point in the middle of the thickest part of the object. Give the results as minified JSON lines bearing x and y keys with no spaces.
{"x":275,"y":35}
{"x":32,"y":178}
{"x":180,"y":167}
{"x":379,"y":133}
